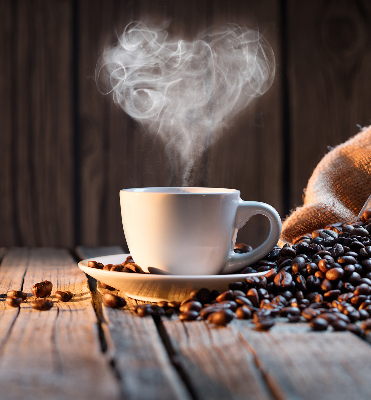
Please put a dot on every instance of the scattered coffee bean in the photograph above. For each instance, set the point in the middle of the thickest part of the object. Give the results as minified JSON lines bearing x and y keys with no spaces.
{"x":42,"y":289}
{"x":13,"y":301}
{"x":41,"y":304}
{"x":63,"y":295}
{"x":17,"y":293}
{"x":111,"y":300}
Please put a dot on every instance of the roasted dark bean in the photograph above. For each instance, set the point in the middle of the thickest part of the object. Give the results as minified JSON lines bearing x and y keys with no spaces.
{"x":243,"y":313}
{"x":221,"y":317}
{"x":17,"y":293}
{"x":253,"y":296}
{"x":264,"y":323}
{"x":318,"y":324}
{"x":63,"y":295}
{"x":111,"y":300}
{"x":13,"y":301}
{"x":41,"y":304}
{"x":190,"y":305}
{"x":42,"y":289}
{"x":191,"y":315}
{"x":334,"y":274}
{"x":339,"y":325}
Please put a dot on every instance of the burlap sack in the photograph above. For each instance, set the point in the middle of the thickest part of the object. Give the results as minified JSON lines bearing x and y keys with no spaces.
{"x":337,"y":189}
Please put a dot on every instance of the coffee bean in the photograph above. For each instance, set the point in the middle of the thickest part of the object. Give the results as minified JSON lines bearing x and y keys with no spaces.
{"x":13,"y":301}
{"x":289,"y":310}
{"x":63,"y":295}
{"x":95,"y":264}
{"x":253,"y":296}
{"x":41,"y":304}
{"x":42,"y":289}
{"x":264,"y":323}
{"x":318,"y":324}
{"x":243,"y":301}
{"x":233,"y":286}
{"x":134,"y":268}
{"x":243,"y":313}
{"x":111,"y":300}
{"x":221,"y":317}
{"x":310,"y":313}
{"x":354,"y":328}
{"x":312,"y":268}
{"x":366,"y":325}
{"x":17,"y":293}
{"x":339,"y":325}
{"x":162,"y":304}
{"x":191,"y":315}
{"x":283,"y":279}
{"x":191,"y":305}
{"x":107,"y":267}
{"x":144,"y":309}
{"x":227,"y":295}
{"x":334,"y":274}
{"x":157,"y":310}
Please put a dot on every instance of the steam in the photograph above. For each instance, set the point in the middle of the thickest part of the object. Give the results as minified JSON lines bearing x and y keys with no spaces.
{"x":186,"y":92}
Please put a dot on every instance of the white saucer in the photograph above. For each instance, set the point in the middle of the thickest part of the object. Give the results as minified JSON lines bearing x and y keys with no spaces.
{"x":151,"y":287}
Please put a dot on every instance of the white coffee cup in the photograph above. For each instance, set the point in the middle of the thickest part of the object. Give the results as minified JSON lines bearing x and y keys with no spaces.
{"x":191,"y":230}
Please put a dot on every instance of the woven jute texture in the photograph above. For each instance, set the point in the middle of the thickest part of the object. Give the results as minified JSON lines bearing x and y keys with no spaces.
{"x":337,"y":189}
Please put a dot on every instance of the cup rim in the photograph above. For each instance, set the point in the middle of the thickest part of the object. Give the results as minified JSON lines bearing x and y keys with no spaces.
{"x":182,"y":190}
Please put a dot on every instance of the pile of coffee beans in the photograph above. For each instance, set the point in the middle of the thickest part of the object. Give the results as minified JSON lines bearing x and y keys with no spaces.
{"x":324,"y":279}
{"x":40,"y":290}
{"x":127,"y":266}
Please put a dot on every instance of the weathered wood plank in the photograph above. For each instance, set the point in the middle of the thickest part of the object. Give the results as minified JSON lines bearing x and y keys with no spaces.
{"x":53,"y":354}
{"x":329,"y":56}
{"x":138,"y":352}
{"x":218,"y":364}
{"x":41,"y":135}
{"x":312,"y":365}
{"x":7,"y":61}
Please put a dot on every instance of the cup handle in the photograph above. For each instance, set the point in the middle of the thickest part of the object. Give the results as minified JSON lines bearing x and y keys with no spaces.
{"x":245,"y":210}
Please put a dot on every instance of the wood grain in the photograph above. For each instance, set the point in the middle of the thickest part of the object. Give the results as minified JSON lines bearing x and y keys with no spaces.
{"x":40,"y":170}
{"x":329,"y":56}
{"x":52,"y":354}
{"x":138,"y":353}
{"x":215,"y":361}
{"x":312,"y":365}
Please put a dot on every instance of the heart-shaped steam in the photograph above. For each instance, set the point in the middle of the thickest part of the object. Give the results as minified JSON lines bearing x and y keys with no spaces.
{"x":187,"y":91}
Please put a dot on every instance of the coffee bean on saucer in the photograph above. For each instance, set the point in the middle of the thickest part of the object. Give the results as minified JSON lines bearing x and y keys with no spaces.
{"x":107,"y":267}
{"x":41,"y":304}
{"x":114,"y":301}
{"x":13,"y":301}
{"x":95,"y":264}
{"x":42,"y":289}
{"x":17,"y":293}
{"x":190,"y":315}
{"x":221,"y":317}
{"x":134,"y":268}
{"x":129,"y":259}
{"x":117,"y":267}
{"x":63,"y":295}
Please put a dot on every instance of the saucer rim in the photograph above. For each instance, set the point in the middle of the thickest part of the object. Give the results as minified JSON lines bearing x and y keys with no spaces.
{"x":135,"y":276}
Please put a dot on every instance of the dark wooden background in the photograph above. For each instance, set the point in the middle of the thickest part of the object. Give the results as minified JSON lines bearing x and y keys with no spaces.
{"x":67,"y":150}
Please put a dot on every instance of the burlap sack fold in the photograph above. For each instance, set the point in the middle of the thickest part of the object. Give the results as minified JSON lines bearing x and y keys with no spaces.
{"x":337,"y":189}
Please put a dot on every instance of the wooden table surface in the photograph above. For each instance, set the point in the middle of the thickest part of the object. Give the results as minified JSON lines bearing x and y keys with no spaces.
{"x":85,"y":350}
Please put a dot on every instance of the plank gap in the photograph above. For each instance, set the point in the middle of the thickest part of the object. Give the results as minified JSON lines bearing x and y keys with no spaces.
{"x":272,"y":385}
{"x":173,"y":356}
